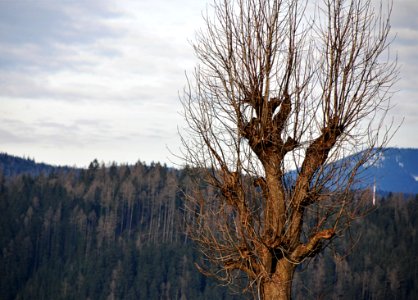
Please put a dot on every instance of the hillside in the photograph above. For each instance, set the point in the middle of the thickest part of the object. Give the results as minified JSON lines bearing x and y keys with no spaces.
{"x":396,"y":170}
{"x":105,"y":232}
{"x":12,"y":165}
{"x":118,"y":232}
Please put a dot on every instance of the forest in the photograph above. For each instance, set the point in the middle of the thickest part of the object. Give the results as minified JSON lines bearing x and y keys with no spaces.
{"x":118,"y":232}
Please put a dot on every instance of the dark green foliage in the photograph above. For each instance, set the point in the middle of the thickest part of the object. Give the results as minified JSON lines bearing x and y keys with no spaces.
{"x":102,"y":233}
{"x":382,"y":260}
{"x":117,"y":233}
{"x":13,"y":165}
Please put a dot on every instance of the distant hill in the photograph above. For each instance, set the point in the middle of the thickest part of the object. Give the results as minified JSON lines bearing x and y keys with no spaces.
{"x":396,"y":170}
{"x":12,"y":165}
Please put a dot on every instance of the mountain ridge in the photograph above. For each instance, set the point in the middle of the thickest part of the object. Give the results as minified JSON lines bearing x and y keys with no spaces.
{"x":395,"y":169}
{"x":11,"y":165}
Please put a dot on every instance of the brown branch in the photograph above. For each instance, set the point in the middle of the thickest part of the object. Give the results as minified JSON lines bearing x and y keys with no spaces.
{"x":312,"y":246}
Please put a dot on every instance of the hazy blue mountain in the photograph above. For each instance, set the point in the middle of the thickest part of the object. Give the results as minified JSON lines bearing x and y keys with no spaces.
{"x":12,"y":165}
{"x":396,"y":170}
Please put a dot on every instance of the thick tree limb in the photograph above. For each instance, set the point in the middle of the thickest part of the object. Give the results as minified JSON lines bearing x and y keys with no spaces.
{"x":312,"y":246}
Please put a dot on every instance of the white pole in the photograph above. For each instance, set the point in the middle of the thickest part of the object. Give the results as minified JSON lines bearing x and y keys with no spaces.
{"x":374,"y":193}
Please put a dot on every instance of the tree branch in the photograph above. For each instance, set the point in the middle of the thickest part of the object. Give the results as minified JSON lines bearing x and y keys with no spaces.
{"x":312,"y":246}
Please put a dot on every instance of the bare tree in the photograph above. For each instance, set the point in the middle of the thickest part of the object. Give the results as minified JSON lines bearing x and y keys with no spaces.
{"x":282,"y":86}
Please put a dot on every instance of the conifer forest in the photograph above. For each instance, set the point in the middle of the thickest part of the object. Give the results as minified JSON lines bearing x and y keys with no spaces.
{"x":119,"y":232}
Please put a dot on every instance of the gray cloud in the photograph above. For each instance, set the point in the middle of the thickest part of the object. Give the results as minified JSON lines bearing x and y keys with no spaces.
{"x":404,"y":30}
{"x":31,"y":30}
{"x":405,"y":14}
{"x":12,"y":138}
{"x":101,"y":77}
{"x":89,"y":51}
{"x":41,"y":22}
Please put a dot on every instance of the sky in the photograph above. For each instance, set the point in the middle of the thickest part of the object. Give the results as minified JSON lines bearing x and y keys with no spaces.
{"x":86,"y":79}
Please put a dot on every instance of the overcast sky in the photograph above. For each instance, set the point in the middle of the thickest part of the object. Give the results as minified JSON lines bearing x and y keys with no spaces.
{"x":100,"y":79}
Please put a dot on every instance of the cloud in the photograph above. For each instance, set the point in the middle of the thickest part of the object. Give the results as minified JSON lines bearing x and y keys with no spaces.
{"x":405,"y":14}
{"x":90,"y":50}
{"x":108,"y":131}
{"x":40,"y":22}
{"x":101,"y":77}
{"x":404,"y":32}
{"x":93,"y":75}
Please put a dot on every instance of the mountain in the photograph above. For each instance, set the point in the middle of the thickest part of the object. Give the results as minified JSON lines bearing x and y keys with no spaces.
{"x":395,"y":170}
{"x":12,"y":165}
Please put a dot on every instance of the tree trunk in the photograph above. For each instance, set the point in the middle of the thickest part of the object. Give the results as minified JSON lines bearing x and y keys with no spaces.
{"x":279,"y":286}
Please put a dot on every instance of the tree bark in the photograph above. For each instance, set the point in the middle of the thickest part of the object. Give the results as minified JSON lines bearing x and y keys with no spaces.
{"x":279,"y":286}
